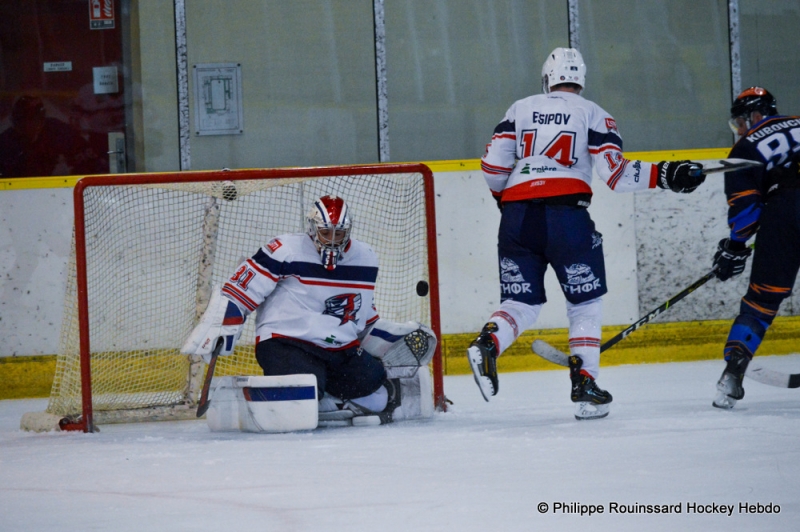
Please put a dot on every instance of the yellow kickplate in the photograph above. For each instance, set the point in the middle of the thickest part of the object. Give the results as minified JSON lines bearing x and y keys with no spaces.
{"x":32,"y":376}
{"x":655,"y":342}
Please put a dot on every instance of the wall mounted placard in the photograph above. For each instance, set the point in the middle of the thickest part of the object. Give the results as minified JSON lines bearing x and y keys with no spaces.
{"x":218,"y":99}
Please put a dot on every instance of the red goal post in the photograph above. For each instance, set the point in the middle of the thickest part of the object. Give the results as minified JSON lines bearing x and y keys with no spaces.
{"x":148,"y":248}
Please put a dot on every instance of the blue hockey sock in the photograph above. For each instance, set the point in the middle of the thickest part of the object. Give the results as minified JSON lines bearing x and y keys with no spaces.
{"x":746,"y":334}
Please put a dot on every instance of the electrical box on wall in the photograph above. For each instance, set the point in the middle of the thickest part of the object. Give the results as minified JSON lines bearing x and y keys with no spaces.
{"x":218,"y":99}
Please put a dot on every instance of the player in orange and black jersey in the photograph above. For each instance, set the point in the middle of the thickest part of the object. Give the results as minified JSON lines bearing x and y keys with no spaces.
{"x":763,"y":199}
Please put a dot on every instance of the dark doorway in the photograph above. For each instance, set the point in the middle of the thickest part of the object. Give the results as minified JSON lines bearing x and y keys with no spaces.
{"x":62,"y":88}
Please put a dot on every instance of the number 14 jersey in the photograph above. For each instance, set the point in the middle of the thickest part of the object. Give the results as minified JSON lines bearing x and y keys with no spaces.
{"x":547,"y":145}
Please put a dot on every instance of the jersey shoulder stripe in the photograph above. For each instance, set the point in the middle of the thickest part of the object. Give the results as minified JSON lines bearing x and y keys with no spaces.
{"x":335,"y":284}
{"x":292,"y":260}
{"x":237,"y":295}
{"x":506,"y":126}
{"x":599,"y":140}
{"x":265,"y":264}
{"x":342,"y":273}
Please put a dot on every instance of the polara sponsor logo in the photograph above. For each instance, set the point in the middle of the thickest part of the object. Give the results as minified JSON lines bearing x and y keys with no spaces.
{"x":528,"y":169}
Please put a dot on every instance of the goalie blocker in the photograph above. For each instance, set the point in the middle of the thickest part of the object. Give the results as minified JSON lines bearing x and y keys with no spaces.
{"x":271,"y":404}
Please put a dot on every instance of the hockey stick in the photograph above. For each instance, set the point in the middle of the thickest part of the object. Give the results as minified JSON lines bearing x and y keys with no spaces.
{"x":656,"y":312}
{"x":754,"y":372}
{"x":205,"y":402}
{"x":773,"y":378}
{"x":758,"y":374}
{"x":727,"y":165}
{"x":548,"y":352}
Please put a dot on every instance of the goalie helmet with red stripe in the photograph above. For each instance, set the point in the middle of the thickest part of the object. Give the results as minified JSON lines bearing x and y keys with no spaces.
{"x":329,"y":226}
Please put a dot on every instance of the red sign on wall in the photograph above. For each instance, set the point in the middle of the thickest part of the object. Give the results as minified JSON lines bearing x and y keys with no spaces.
{"x":101,"y":14}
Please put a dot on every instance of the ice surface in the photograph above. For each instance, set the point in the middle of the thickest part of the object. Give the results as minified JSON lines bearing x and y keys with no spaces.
{"x":481,"y":466}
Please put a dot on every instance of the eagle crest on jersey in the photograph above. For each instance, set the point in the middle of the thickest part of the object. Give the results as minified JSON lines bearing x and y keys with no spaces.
{"x":343,"y":306}
{"x":329,"y":226}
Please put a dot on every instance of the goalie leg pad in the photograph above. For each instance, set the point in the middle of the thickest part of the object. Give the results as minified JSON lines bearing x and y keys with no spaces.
{"x":416,"y":392}
{"x":272,"y":404}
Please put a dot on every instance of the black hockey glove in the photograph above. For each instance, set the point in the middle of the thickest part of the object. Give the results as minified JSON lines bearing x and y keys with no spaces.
{"x":730,"y":258}
{"x":680,"y":176}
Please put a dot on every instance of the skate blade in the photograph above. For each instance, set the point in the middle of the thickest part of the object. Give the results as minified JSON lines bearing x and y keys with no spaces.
{"x":590,"y":411}
{"x":366,"y":421}
{"x":475,"y":362}
{"x":723,"y":401}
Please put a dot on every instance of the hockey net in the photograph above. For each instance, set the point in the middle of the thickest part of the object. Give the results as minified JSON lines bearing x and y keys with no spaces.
{"x":148,"y":248}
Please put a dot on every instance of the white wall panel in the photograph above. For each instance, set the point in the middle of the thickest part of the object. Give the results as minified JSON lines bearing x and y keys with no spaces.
{"x":35,"y":236}
{"x":655,"y":242}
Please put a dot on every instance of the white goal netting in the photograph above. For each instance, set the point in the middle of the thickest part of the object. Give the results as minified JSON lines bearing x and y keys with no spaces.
{"x":153,"y":250}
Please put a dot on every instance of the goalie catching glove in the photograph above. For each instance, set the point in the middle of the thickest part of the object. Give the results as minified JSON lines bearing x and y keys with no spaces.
{"x":221,"y":320}
{"x":399,"y":344}
{"x":680,"y":176}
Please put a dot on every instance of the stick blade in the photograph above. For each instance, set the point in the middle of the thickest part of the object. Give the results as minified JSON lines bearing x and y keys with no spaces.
{"x":205,"y":402}
{"x":202,"y":409}
{"x":772,"y":378}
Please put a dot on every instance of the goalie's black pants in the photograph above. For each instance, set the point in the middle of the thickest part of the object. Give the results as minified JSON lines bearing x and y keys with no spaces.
{"x":346,"y":373}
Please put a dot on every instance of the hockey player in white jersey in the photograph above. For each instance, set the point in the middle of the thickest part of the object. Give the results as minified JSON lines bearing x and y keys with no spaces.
{"x":539,"y":169}
{"x":313,"y":298}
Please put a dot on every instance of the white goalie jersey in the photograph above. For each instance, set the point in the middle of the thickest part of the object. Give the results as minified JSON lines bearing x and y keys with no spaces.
{"x":294,"y":296}
{"x":547,"y":145}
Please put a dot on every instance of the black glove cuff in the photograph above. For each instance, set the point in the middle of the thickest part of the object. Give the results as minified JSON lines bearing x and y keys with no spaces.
{"x":735,"y":245}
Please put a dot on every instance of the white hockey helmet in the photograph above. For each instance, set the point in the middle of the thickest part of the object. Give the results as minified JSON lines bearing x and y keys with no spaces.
{"x":329,"y":226}
{"x":563,"y":65}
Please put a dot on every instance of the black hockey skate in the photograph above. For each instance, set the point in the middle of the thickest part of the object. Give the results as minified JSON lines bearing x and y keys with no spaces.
{"x":729,"y":386}
{"x":393,"y":387}
{"x":482,"y":355}
{"x":352,"y":413}
{"x":590,"y":401}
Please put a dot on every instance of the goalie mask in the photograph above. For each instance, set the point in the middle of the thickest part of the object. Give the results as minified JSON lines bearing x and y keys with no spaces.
{"x":749,"y":101}
{"x":563,"y":65}
{"x":329,"y":227}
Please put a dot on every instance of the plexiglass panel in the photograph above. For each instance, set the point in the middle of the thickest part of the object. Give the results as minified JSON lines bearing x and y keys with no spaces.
{"x":769,"y":49}
{"x":455,"y":66}
{"x":662,"y":69}
{"x":308,"y":78}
